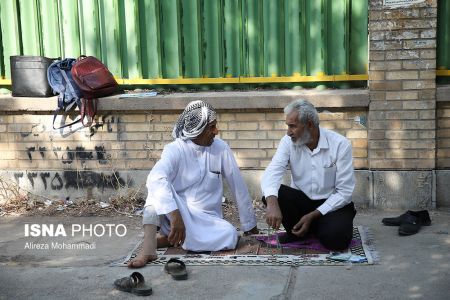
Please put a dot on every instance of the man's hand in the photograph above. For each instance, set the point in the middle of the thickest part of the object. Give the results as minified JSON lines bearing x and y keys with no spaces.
{"x":302,"y":227}
{"x":273,"y":213}
{"x":177,"y":230}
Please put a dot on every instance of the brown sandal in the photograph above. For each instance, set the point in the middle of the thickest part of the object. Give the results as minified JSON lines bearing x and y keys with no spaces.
{"x":135,"y":284}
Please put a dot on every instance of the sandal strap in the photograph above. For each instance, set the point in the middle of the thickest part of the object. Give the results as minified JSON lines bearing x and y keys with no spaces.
{"x":176,"y":260}
{"x":137,"y":278}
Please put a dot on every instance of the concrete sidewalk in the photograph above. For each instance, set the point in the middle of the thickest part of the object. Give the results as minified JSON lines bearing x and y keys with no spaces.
{"x":417,"y":266}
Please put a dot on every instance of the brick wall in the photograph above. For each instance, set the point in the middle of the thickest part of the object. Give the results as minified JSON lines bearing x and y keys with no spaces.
{"x":255,"y":136}
{"x":443,"y":136}
{"x":402,"y":62}
{"x":135,"y":141}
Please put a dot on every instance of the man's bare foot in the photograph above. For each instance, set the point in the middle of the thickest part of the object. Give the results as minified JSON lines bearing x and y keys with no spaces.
{"x":141,"y":260}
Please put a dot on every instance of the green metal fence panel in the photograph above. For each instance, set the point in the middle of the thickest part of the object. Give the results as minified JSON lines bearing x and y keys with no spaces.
{"x":150,"y":38}
{"x":51,"y":42}
{"x":253,"y":38}
{"x":443,"y":38}
{"x":315,"y":48}
{"x":358,"y":47}
{"x":191,"y":39}
{"x":212,"y":38}
{"x":29,"y":20}
{"x":9,"y":14}
{"x":170,"y":42}
{"x":89,"y":28}
{"x":293,"y":37}
{"x":196,"y":41}
{"x":273,"y":35}
{"x":109,"y":35}
{"x":129,"y":21}
{"x":232,"y":41}
{"x":69,"y":28}
{"x":2,"y":64}
{"x":337,"y":43}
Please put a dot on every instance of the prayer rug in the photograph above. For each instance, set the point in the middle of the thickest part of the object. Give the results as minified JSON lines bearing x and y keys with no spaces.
{"x":263,"y":250}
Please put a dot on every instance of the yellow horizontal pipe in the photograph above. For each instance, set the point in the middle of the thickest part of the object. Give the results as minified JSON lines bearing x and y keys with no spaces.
{"x":442,"y":72}
{"x":296,"y":78}
{"x":177,"y":80}
{"x":285,"y":79}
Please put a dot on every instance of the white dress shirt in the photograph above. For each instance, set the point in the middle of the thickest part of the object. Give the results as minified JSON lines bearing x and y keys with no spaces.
{"x":188,"y":177}
{"x":324,"y":173}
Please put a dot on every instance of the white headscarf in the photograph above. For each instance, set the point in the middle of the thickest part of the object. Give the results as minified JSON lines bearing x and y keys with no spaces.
{"x":193,"y":120}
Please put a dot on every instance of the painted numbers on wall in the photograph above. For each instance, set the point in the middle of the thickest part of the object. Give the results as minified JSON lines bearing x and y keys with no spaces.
{"x":74,"y":179}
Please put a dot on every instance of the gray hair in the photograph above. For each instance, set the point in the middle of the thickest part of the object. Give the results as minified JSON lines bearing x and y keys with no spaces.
{"x":306,"y":111}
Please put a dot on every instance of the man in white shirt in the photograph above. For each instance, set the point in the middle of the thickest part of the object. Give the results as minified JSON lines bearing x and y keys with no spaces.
{"x":318,"y":200}
{"x":185,"y":190}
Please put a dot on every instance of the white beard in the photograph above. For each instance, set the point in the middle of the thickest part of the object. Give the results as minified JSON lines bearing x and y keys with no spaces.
{"x":303,"y":140}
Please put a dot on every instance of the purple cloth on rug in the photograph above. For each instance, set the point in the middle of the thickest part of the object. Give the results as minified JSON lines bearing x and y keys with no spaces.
{"x":308,"y":243}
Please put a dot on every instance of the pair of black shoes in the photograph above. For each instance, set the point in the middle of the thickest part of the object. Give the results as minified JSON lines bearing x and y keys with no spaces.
{"x":410,"y":222}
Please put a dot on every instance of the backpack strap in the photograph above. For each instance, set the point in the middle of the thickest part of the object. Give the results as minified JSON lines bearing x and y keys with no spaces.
{"x":88,"y":110}
{"x":72,"y":90}
{"x":61,"y":109}
{"x":65,"y":125}
{"x":88,"y":107}
{"x":61,"y":105}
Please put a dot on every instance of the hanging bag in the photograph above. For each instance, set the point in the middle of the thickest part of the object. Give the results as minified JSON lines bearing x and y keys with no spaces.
{"x":69,"y":95}
{"x":29,"y":76}
{"x":94,"y":80}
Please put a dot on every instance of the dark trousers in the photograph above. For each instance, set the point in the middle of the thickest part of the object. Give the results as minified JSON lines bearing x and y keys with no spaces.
{"x":334,"y":230}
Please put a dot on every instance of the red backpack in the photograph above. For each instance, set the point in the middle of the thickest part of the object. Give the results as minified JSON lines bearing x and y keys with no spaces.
{"x":94,"y":80}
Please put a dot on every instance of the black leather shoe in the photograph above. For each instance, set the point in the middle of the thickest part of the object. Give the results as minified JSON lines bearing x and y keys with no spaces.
{"x":422,"y":216}
{"x":410,"y":225}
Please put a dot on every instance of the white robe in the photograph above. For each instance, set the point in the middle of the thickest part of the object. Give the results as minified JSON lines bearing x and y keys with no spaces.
{"x":188,"y":177}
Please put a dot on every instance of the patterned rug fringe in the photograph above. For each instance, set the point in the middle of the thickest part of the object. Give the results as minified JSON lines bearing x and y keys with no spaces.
{"x":365,"y":249}
{"x":368,"y":242}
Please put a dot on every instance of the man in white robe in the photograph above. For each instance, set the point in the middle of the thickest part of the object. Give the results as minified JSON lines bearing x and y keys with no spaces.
{"x":185,"y":190}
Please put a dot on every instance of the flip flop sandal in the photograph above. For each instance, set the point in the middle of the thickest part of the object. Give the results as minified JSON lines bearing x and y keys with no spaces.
{"x":134,"y":284}
{"x":176,"y":268}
